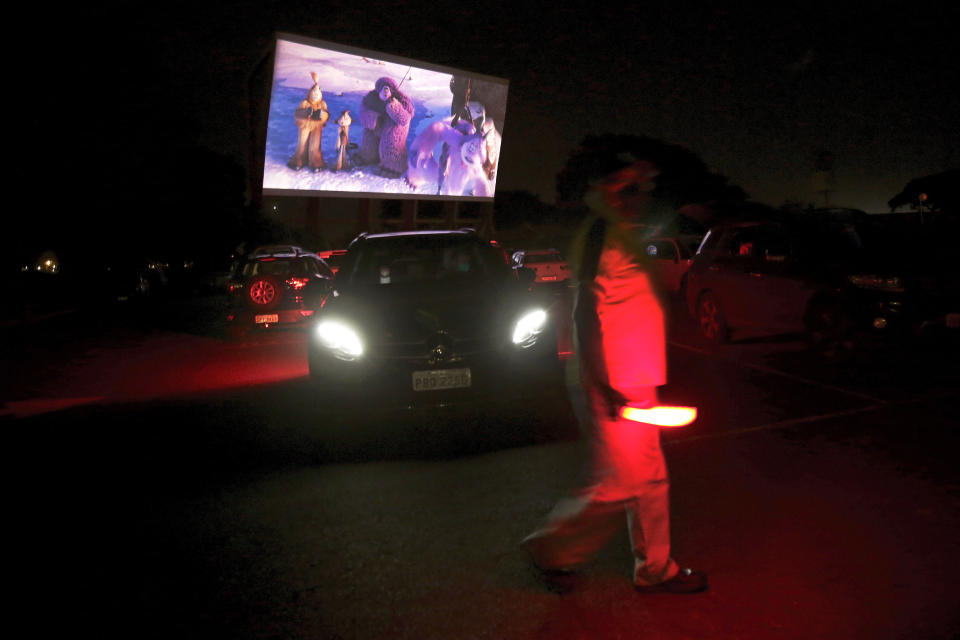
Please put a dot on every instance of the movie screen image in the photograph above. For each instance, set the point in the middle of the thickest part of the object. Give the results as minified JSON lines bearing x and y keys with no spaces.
{"x":346,"y":122}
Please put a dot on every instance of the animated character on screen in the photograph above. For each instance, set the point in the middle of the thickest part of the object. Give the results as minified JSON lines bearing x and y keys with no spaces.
{"x":343,"y":138}
{"x":311,"y":116}
{"x":460,"y":165}
{"x":385,"y":114}
{"x":493,"y":97}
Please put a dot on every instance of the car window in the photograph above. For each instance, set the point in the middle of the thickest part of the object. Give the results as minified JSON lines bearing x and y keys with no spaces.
{"x":275,"y":267}
{"x":323,"y":268}
{"x":743,"y":244}
{"x":540,"y":258}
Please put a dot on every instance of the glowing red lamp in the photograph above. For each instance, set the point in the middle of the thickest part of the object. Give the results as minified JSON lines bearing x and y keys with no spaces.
{"x":660,"y":416}
{"x":298,"y":283}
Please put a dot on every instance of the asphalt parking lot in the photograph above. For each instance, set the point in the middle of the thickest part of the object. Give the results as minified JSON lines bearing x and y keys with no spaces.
{"x":175,"y":483}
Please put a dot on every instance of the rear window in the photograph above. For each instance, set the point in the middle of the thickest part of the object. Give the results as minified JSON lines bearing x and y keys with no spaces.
{"x":540,"y":258}
{"x":276,"y":267}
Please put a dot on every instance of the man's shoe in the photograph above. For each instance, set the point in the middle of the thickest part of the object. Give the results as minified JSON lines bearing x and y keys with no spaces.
{"x":559,"y":582}
{"x":686,"y":581}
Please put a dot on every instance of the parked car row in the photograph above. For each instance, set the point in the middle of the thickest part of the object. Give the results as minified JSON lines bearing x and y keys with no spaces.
{"x":838,"y":280}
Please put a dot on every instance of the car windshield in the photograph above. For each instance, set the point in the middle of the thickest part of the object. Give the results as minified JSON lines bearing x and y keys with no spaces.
{"x":419,"y":260}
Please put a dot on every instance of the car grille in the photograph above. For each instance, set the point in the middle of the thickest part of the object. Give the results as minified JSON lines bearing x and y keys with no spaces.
{"x":423,"y":350}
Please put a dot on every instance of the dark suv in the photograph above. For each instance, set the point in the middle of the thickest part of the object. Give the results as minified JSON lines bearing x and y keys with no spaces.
{"x":431,"y":318}
{"x":837,"y":279}
{"x":277,"y":286}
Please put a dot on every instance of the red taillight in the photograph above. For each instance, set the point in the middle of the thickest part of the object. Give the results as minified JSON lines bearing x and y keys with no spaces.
{"x":306,"y":313}
{"x":298,"y":283}
{"x":233,"y":286}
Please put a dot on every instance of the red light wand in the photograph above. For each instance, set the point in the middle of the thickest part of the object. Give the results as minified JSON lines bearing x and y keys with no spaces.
{"x":660,"y":416}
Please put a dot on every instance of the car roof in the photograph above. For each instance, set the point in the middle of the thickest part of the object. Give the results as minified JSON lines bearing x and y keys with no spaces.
{"x":425,"y":232}
{"x":279,"y":251}
{"x":538,"y":252}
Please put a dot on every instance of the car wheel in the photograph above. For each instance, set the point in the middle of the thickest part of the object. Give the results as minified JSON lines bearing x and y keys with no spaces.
{"x":711,"y":319}
{"x":264,"y":293}
{"x":828,"y":328}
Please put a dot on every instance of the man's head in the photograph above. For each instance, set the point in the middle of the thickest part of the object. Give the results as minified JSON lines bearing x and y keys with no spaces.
{"x":625,"y":190}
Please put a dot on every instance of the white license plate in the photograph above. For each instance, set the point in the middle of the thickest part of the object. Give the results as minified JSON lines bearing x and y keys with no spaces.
{"x":441,"y":379}
{"x":953,"y":320}
{"x":267,"y":318}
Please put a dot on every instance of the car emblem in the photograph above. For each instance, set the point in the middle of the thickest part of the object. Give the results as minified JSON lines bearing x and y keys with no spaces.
{"x":440,"y":346}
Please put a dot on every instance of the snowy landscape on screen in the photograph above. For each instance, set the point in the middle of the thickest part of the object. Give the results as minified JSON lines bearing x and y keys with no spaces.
{"x":344,"y":80}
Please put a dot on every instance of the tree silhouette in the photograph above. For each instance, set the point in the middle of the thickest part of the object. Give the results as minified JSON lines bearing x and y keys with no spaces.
{"x":512,"y":208}
{"x":684,"y":178}
{"x":942,"y":192}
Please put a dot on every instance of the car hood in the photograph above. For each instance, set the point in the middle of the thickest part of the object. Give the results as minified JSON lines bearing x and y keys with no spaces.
{"x":411,"y":314}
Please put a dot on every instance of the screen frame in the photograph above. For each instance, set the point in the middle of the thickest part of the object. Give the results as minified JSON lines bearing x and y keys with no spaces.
{"x":378,"y":55}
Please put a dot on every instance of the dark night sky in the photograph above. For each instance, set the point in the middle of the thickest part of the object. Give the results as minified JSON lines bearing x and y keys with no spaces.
{"x":755,"y":92}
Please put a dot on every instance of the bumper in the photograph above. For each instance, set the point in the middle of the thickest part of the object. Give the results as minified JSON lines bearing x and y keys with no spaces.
{"x":497,"y":379}
{"x":905,"y":317}
{"x":270,"y":319}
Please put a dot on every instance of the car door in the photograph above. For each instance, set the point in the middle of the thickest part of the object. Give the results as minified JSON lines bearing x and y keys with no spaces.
{"x":665,"y":261}
{"x":778,"y":282}
{"x":724,"y":270}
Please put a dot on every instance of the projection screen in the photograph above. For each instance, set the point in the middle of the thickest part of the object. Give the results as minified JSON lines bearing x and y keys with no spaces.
{"x":349,"y":122}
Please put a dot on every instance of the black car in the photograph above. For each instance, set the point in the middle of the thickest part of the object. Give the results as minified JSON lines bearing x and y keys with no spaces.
{"x":432,"y":318}
{"x":836,"y":279}
{"x":277,"y":286}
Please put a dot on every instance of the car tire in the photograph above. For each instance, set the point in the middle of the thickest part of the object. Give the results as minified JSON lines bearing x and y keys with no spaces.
{"x":710,"y":318}
{"x":263,"y":293}
{"x":828,"y":328}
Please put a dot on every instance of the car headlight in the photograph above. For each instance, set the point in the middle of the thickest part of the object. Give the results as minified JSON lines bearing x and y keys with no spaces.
{"x":528,"y":327}
{"x":880,"y":283}
{"x":340,"y":339}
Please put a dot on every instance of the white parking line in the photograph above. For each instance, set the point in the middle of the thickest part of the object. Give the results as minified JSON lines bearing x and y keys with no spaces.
{"x":776,"y":425}
{"x":783,"y":424}
{"x":789,"y":376}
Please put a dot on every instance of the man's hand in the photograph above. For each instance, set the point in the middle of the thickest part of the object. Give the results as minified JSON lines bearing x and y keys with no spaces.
{"x":613,"y":401}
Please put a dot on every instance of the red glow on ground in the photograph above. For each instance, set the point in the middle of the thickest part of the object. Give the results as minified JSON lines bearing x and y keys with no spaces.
{"x":37,"y":406}
{"x":167,"y":367}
